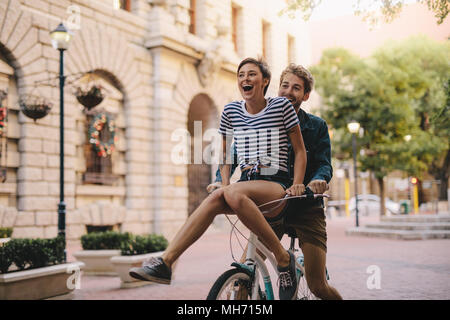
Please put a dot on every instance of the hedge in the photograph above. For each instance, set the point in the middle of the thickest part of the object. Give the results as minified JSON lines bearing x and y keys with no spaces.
{"x":144,"y":244}
{"x":6,"y":232}
{"x":31,"y":253}
{"x":107,"y":240}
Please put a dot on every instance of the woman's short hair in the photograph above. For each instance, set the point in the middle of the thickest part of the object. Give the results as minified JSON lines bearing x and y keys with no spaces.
{"x":300,"y":72}
{"x":263,"y":67}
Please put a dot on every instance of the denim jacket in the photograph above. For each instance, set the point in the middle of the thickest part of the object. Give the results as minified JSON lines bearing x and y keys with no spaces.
{"x":318,"y":150}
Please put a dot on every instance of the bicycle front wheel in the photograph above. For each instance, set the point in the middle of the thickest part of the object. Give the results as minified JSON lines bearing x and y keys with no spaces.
{"x":234,"y":284}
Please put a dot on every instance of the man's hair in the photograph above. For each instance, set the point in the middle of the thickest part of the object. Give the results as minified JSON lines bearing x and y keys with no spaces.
{"x":263,"y":67}
{"x":300,"y":72}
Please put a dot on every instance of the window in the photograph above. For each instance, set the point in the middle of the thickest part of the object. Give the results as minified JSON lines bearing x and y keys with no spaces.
{"x":290,"y":49}
{"x":265,"y":39}
{"x":122,"y":4}
{"x":98,"y":168}
{"x":91,"y":229}
{"x":192,"y":16}
{"x":234,"y":19}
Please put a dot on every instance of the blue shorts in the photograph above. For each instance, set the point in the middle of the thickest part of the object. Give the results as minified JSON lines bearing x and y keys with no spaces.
{"x":280,"y":177}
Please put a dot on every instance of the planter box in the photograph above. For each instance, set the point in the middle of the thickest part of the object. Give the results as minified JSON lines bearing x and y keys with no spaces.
{"x":53,"y":282}
{"x":122,"y":265}
{"x":97,"y":262}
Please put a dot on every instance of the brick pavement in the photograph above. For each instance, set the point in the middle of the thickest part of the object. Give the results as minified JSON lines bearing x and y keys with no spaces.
{"x":415,"y":269}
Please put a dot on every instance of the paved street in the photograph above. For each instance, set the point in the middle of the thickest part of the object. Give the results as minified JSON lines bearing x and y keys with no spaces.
{"x":415,"y":269}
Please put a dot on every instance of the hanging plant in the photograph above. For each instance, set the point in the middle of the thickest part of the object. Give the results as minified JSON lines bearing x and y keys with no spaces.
{"x":102,"y":121}
{"x":35,"y":107}
{"x":90,"y":97}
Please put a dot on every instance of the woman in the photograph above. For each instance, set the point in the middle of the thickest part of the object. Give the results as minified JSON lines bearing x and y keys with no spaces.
{"x":260,"y":128}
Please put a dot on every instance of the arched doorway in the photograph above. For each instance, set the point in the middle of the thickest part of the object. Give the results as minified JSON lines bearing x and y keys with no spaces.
{"x":10,"y":129}
{"x":202,"y":116}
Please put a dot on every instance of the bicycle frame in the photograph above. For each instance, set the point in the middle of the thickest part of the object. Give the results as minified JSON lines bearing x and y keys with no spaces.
{"x":252,"y":258}
{"x":256,"y":264}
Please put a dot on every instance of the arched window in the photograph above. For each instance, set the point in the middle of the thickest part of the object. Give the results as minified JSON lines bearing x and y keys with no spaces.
{"x":102,"y":134}
{"x":9,"y":134}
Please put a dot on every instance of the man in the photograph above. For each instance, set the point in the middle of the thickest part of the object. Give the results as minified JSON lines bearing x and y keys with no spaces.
{"x":307,"y":217}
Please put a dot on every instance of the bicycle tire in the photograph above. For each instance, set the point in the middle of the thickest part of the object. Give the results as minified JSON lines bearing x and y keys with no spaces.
{"x":240,"y":282}
{"x":303,"y":291}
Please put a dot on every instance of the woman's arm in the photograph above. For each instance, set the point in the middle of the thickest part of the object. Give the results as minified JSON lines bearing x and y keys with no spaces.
{"x":298,"y":146}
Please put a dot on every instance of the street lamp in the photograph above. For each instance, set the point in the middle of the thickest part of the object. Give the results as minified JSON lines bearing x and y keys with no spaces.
{"x":353,"y":127}
{"x":60,"y":41}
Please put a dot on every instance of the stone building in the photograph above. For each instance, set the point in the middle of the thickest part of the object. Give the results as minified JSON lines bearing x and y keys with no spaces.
{"x":162,"y":65}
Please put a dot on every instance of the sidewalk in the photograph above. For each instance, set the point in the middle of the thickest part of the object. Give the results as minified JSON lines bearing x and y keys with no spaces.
{"x":407,"y":269}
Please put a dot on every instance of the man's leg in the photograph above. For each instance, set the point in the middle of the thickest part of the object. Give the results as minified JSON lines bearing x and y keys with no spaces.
{"x":315,"y":264}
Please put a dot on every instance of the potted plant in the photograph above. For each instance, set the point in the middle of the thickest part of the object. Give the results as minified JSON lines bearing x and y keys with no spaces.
{"x":5,"y":235}
{"x":134,"y":253}
{"x":90,"y":97}
{"x":32,"y":269}
{"x":98,"y":248}
{"x":35,"y":107}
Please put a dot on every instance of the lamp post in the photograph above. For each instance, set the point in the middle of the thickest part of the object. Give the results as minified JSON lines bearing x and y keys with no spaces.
{"x":60,"y":41}
{"x":353,"y":127}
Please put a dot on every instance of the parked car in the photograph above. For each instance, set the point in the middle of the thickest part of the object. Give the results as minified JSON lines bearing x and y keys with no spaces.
{"x":369,"y":204}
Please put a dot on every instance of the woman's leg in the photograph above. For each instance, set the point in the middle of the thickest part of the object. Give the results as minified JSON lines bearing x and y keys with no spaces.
{"x":244,"y":197}
{"x":196,"y":225}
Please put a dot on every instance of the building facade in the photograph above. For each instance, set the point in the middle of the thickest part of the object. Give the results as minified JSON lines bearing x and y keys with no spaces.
{"x":166,"y":69}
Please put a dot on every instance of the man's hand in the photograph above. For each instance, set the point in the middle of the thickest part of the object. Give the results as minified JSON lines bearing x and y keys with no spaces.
{"x":318,"y":186}
{"x":296,"y":190}
{"x":213,"y":186}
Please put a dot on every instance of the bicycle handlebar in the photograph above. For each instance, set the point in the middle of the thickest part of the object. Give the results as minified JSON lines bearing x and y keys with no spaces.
{"x":307,"y":195}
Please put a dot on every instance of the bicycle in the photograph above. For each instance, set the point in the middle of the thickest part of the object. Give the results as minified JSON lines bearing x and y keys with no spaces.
{"x":243,"y":281}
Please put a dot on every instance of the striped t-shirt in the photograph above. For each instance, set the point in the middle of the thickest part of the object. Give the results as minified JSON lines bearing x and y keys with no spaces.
{"x":263,"y":137}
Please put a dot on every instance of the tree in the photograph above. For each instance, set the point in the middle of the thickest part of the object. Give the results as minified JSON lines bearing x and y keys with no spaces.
{"x":424,"y":63}
{"x":387,"y":94}
{"x":389,"y":9}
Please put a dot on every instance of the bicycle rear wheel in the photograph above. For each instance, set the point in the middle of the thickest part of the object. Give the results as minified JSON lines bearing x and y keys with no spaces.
{"x":234,"y":284}
{"x":303,"y":292}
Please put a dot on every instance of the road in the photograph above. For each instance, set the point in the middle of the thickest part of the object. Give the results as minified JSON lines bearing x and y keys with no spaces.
{"x":359,"y":267}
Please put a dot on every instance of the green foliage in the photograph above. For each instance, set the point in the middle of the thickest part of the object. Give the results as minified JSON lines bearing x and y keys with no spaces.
{"x":108,"y":240}
{"x":5,"y":232}
{"x":398,"y":91}
{"x":367,"y":9}
{"x":126,"y":242}
{"x":306,"y":7}
{"x":440,"y":8}
{"x":144,"y":244}
{"x":6,"y":256}
{"x":31,"y":253}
